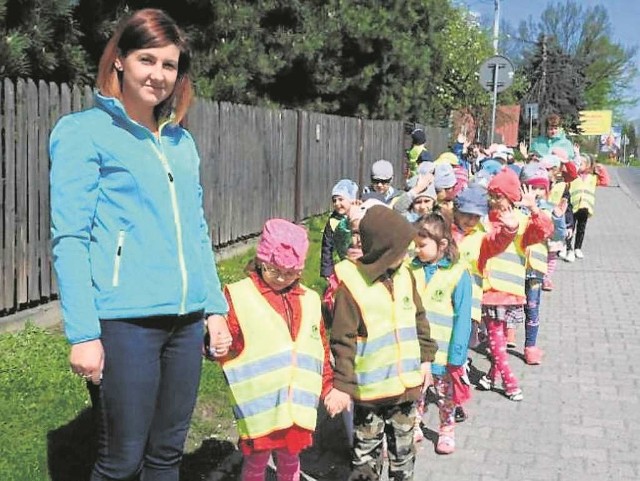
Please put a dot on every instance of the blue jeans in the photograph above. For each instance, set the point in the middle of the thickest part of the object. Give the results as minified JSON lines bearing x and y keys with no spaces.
{"x":532,"y":311}
{"x":148,"y":392}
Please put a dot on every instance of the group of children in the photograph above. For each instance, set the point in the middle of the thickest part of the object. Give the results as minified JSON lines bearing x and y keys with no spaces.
{"x":415,"y":277}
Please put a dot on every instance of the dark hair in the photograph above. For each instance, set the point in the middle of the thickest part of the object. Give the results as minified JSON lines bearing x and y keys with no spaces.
{"x":437,"y":226}
{"x":147,"y":28}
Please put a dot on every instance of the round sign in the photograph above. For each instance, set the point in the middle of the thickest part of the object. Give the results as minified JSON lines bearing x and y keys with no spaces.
{"x":504,"y":73}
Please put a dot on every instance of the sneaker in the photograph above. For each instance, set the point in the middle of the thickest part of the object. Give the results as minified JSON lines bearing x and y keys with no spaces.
{"x":533,"y":355}
{"x":515,"y":395}
{"x":562,"y":253}
{"x":446,"y":442}
{"x":578,"y":253}
{"x":571,"y":256}
{"x":511,"y":337}
{"x":485,"y":383}
{"x":460,"y":415}
{"x":547,"y":285}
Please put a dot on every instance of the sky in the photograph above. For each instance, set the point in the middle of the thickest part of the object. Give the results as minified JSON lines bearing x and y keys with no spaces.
{"x":623,"y":14}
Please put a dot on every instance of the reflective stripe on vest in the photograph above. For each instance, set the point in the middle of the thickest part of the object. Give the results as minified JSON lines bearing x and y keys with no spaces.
{"x":583,"y":193}
{"x":437,"y":300}
{"x":556,"y":192}
{"x":506,"y":271}
{"x":469,"y":248}
{"x":387,"y":361}
{"x":274,"y":384}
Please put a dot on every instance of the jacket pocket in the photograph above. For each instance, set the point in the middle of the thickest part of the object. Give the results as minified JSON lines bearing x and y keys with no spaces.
{"x":117,"y":261}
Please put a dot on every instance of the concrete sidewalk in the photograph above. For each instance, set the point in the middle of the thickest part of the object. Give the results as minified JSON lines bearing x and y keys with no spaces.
{"x":580,"y":416}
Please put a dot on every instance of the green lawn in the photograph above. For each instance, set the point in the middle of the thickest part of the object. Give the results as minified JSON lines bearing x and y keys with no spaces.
{"x":45,"y":417}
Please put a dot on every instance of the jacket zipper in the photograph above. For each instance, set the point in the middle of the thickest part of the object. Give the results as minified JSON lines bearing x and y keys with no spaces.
{"x":176,"y":220}
{"x":115,"y":281}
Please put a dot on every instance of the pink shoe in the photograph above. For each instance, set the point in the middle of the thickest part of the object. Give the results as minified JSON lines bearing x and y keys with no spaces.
{"x":446,"y":441}
{"x":533,"y":355}
{"x":547,"y":285}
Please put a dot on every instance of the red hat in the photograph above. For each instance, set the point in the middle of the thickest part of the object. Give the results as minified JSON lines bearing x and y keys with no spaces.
{"x":506,"y":182}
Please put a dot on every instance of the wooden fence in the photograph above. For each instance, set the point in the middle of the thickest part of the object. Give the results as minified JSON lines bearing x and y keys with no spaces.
{"x":256,"y":163}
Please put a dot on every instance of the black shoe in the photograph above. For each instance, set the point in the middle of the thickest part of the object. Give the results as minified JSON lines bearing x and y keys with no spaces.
{"x":460,"y":415}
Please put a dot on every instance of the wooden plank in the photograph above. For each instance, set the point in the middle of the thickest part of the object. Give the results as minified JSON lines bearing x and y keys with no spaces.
{"x":65,"y":99}
{"x":21,"y":193}
{"x":33,"y":194}
{"x":54,"y":114}
{"x":44,"y":232}
{"x":9,"y":254}
{"x":3,"y":181}
{"x":76,"y":99}
{"x":87,"y":100}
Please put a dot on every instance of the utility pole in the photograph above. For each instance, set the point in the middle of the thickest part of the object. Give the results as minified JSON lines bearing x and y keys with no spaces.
{"x":496,"y":32}
{"x":543,"y":88}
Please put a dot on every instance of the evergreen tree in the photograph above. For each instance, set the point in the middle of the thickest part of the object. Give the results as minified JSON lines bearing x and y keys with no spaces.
{"x":40,"y":40}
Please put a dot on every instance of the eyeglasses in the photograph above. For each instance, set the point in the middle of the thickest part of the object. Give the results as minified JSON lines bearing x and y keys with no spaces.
{"x":277,"y":273}
{"x":380,"y":181}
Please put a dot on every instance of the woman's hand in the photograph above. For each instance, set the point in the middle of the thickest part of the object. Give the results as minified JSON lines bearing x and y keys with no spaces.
{"x":219,"y":335}
{"x":87,"y":360}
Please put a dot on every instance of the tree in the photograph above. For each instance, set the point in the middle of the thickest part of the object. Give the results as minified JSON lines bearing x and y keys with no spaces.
{"x":39,"y":39}
{"x":557,"y":82}
{"x":584,"y":34}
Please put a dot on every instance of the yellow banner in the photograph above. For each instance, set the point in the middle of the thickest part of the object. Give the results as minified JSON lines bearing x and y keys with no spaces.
{"x":596,"y":122}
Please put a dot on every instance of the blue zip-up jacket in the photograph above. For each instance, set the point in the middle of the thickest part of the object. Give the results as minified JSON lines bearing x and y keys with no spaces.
{"x":461,"y":330}
{"x":127,"y":224}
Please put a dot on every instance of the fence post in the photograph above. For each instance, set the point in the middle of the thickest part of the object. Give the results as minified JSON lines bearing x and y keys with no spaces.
{"x":298,"y":175}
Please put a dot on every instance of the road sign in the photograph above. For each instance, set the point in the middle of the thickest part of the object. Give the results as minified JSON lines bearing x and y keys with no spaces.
{"x":487,"y":73}
{"x":531,"y":111}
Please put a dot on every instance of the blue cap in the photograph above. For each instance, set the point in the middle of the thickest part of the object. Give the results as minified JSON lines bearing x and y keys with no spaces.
{"x":473,"y":200}
{"x":492,"y":166}
{"x":346,"y":188}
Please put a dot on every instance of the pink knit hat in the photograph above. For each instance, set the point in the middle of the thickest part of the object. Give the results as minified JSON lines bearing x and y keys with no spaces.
{"x":283,"y":244}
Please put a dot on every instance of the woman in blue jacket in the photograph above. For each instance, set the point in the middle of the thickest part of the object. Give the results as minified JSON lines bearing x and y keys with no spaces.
{"x":132,"y":253}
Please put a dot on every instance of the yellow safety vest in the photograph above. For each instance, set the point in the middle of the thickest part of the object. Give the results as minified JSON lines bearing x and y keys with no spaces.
{"x":275,"y":382}
{"x":537,"y":253}
{"x":436,"y":297}
{"x":583,"y":193}
{"x":387,"y":361}
{"x":469,"y":248}
{"x":506,"y":271}
{"x":556,"y":192}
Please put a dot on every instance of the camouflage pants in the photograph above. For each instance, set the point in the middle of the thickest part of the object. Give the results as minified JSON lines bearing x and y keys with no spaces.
{"x":370,"y":427}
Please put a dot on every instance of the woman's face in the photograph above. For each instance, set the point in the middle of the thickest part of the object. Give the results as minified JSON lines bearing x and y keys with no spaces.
{"x":148,"y":76}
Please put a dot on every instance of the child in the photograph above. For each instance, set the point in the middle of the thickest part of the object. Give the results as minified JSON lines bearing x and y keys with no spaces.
{"x":536,"y":177}
{"x":503,"y":276}
{"x":583,"y":199}
{"x":561,"y":173}
{"x":444,"y":285}
{"x":272,"y":304}
{"x":382,"y":345}
{"x":343,"y":195}
{"x":421,"y":196}
{"x":418,"y":139}
{"x":381,"y":178}
{"x":474,"y":243}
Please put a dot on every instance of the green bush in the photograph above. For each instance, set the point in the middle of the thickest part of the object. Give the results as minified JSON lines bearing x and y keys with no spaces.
{"x":45,"y":422}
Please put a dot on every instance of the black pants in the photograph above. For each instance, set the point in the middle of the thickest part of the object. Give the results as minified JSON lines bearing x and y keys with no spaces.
{"x":580,"y":218}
